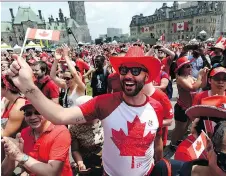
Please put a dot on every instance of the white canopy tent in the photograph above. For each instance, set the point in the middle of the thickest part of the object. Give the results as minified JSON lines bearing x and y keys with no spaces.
{"x":202,"y":32}
{"x":32,"y":45}
{"x":211,"y":39}
{"x":114,"y":42}
{"x":17,"y":47}
{"x":5,"y":47}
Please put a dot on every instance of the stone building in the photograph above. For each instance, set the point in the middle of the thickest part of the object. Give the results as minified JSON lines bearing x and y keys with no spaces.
{"x":13,"y":32}
{"x":180,"y":21}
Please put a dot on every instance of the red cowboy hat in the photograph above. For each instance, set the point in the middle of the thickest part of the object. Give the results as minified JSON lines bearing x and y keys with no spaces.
{"x":182,"y":61}
{"x":136,"y":55}
{"x":214,"y":106}
{"x":217,"y":70}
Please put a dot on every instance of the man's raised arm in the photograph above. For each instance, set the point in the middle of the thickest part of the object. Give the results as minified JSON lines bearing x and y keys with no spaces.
{"x":21,"y":74}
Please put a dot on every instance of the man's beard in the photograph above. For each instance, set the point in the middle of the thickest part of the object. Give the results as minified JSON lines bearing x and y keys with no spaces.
{"x":138,"y":87}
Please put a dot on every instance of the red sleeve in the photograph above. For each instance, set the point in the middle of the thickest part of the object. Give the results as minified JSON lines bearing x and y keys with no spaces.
{"x":164,"y":75}
{"x":167,"y":106}
{"x":100,"y":106}
{"x":85,"y":66}
{"x":198,"y":97}
{"x":60,"y":147}
{"x":159,"y":112}
{"x":54,"y":90}
{"x":182,"y":155}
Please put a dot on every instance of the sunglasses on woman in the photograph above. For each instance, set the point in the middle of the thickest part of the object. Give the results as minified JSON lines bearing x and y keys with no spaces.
{"x":29,"y":113}
{"x":218,"y":78}
{"x":187,"y":66}
{"x":67,"y":78}
{"x":221,"y":160}
{"x":135,"y":71}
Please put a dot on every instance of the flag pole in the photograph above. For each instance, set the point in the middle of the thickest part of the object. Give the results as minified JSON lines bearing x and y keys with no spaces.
{"x":25,"y":40}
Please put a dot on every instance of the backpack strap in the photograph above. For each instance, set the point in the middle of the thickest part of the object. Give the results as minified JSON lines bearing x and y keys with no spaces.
{"x":168,"y":166}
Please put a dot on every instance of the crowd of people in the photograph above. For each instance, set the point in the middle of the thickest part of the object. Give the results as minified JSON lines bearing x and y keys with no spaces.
{"x":120,"y":128}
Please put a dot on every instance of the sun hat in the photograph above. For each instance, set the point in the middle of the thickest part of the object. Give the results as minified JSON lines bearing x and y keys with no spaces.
{"x":136,"y":55}
{"x":214,"y":106}
{"x":181,"y":62}
{"x":217,"y":70}
{"x":219,"y":46}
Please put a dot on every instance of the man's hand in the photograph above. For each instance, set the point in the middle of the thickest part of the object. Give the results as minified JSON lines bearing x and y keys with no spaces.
{"x":66,"y":50}
{"x":12,"y":148}
{"x":81,"y":165}
{"x":21,"y":73}
{"x":58,"y":54}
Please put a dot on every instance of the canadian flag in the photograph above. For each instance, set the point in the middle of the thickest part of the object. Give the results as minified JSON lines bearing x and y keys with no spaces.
{"x":196,"y":149}
{"x":180,"y":26}
{"x":43,"y":34}
{"x":162,"y":37}
{"x":145,"y":29}
{"x":222,"y":40}
{"x":209,"y":126}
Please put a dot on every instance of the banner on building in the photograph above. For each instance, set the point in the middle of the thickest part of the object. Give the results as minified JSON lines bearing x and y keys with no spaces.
{"x":180,"y":26}
{"x":43,"y":34}
{"x":145,"y":29}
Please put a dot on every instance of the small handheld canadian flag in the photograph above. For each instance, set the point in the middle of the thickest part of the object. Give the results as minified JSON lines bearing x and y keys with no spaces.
{"x":196,"y":149}
{"x":43,"y":34}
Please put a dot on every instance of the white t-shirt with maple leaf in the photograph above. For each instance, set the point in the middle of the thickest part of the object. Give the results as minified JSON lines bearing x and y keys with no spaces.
{"x":129,"y":133}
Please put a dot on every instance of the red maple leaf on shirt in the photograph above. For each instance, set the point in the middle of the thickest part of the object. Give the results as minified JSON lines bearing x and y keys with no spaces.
{"x":135,"y":144}
{"x":198,"y":145}
{"x":44,"y":34}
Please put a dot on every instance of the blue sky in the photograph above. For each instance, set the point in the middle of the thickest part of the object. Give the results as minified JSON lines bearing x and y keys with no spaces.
{"x":99,"y":15}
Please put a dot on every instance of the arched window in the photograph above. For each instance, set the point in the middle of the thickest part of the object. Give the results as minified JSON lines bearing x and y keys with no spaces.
{"x":1,"y":39}
{"x":10,"y":38}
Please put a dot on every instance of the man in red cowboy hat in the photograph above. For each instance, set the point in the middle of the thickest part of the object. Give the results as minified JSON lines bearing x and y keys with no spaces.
{"x":132,"y":121}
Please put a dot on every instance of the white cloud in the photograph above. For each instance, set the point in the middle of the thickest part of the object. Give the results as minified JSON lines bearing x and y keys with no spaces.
{"x":99,"y":15}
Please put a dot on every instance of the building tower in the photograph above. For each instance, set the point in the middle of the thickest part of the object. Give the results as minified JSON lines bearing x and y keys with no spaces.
{"x":77,"y":12}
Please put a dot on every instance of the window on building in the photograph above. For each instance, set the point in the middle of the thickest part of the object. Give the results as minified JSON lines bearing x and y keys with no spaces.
{"x":10,"y":38}
{"x":63,"y":36}
{"x":20,"y":38}
{"x":1,"y":39}
{"x":178,"y":36}
{"x":18,"y":29}
{"x":7,"y":28}
{"x":182,"y":36}
{"x":197,"y":20}
{"x":191,"y":29}
{"x":55,"y":27}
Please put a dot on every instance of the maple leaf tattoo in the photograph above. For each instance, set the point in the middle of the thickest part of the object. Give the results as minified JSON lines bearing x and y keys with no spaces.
{"x":198,"y":145}
{"x":135,"y":144}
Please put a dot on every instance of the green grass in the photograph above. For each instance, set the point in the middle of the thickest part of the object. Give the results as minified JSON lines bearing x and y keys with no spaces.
{"x":89,"y":89}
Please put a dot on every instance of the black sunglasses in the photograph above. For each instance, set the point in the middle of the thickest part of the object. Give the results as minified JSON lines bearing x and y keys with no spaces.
{"x":221,"y":160}
{"x":187,"y":66}
{"x":135,"y":71}
{"x":29,"y":113}
{"x":67,"y":78}
{"x":217,"y":78}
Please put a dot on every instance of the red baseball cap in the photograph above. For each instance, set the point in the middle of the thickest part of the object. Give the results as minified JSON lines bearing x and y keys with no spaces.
{"x":217,"y":70}
{"x":26,"y":106}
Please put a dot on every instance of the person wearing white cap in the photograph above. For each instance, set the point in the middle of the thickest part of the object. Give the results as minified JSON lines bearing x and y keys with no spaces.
{"x":218,"y":50}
